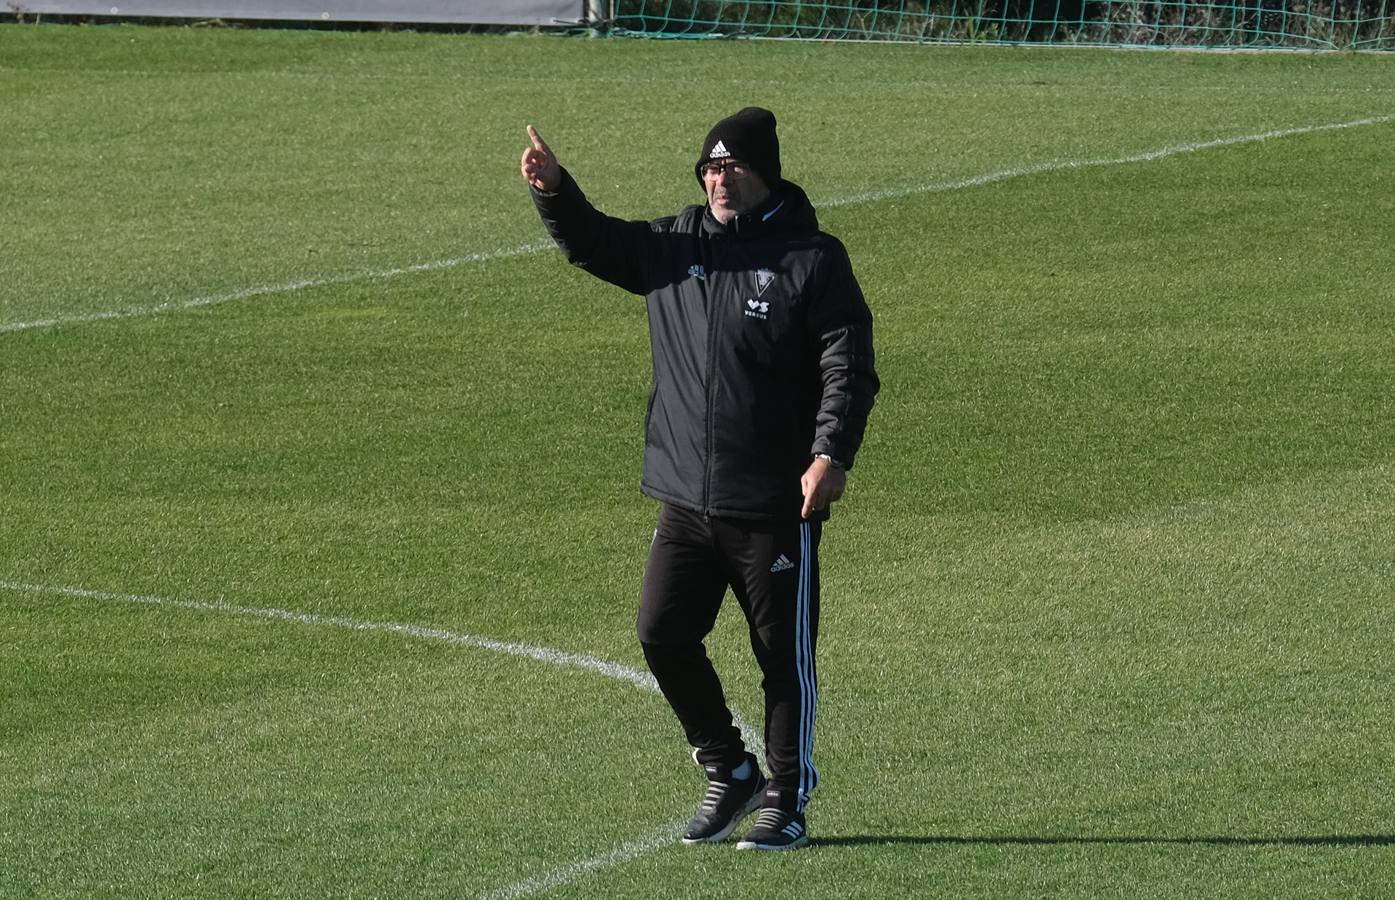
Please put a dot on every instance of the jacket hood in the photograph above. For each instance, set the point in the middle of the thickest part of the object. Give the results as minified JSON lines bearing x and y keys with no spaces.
{"x":787,"y":212}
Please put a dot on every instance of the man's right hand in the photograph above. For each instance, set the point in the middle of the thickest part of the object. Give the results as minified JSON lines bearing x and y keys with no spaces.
{"x":540,"y":167}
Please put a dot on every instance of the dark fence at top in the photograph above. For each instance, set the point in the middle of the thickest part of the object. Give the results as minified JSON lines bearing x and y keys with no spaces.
{"x":462,"y":12}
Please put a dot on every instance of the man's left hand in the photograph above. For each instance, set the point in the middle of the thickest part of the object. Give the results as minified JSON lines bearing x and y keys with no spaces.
{"x":822,"y":483}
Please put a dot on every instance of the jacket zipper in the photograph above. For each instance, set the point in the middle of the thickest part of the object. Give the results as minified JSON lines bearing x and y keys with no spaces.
{"x":714,"y":311}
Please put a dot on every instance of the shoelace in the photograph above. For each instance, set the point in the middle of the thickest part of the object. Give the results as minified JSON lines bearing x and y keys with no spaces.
{"x":715,"y":791}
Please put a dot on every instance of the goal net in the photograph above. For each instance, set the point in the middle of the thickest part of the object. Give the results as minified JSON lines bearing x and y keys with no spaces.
{"x":1292,"y":24}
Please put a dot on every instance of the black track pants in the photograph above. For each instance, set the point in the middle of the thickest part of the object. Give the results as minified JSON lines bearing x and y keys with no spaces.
{"x":773,"y":570}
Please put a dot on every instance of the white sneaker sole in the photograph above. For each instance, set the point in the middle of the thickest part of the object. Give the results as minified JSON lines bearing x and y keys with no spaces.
{"x":801,"y":841}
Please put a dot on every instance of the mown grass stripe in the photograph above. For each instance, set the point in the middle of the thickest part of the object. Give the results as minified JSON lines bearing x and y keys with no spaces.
{"x":540,"y":246}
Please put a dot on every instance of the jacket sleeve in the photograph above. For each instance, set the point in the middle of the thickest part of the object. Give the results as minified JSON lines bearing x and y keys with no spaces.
{"x":620,"y":252}
{"x":842,"y":327}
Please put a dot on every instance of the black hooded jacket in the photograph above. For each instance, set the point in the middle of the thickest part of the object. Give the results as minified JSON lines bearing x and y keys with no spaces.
{"x":761,"y":342}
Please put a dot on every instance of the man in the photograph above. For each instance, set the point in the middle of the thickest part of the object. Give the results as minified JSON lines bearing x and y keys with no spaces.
{"x":763,"y":380}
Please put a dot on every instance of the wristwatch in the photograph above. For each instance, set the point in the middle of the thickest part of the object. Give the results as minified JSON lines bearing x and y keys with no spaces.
{"x":830,"y":460}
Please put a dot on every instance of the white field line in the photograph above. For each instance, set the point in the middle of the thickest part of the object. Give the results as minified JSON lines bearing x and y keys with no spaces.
{"x":565,"y":874}
{"x":658,"y":838}
{"x":562,"y":658}
{"x":1069,"y":164}
{"x":540,"y":246}
{"x":284,"y":287}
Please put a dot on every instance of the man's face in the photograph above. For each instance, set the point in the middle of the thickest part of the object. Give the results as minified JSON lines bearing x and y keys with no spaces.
{"x":733,"y":188}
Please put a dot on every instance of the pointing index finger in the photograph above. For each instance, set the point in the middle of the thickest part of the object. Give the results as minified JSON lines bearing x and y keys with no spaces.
{"x":538,"y":142}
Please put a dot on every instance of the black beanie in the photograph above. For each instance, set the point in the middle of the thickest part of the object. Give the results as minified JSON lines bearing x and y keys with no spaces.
{"x":748,"y":136}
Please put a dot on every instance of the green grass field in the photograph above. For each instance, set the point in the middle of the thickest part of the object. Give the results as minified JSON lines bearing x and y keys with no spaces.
{"x":1107,"y":610}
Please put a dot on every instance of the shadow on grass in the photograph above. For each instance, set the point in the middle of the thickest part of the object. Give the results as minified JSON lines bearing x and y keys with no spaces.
{"x":1323,"y":840}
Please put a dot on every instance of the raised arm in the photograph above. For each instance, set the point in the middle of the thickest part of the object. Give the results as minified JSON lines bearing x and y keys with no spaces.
{"x":620,"y":252}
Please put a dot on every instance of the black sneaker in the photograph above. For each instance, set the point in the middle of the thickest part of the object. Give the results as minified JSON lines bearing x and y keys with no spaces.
{"x":776,"y":829}
{"x":727,"y":802}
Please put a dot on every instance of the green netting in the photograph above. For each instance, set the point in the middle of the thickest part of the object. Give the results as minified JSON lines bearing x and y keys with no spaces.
{"x":1293,"y":24}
